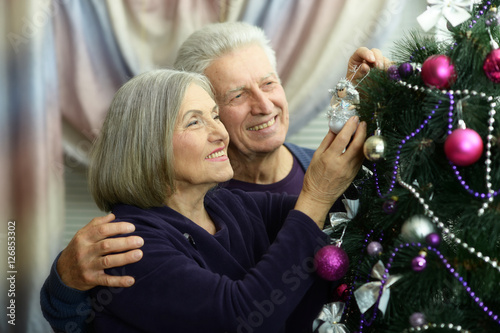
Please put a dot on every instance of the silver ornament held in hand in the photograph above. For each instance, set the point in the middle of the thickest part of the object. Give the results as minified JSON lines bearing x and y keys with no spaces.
{"x":342,"y":105}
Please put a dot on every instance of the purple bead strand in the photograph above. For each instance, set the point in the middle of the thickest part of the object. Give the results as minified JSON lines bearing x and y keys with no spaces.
{"x":471,"y":293}
{"x":450,"y":269}
{"x":481,"y":12}
{"x":363,"y":322}
{"x":398,"y":155}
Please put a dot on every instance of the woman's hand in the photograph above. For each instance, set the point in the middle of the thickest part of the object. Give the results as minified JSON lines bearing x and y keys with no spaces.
{"x":334,"y":165}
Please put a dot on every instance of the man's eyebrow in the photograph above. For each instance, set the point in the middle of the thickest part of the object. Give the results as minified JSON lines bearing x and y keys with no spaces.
{"x":240,"y":88}
{"x":232,"y":91}
{"x":268,"y":76}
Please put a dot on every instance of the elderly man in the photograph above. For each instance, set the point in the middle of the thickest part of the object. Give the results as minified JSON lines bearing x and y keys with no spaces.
{"x":240,"y":64}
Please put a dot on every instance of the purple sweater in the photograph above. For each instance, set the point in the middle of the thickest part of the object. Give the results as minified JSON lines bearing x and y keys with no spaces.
{"x":249,"y":277}
{"x":69,"y":310}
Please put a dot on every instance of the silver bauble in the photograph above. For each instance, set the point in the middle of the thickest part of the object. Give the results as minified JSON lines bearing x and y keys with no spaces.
{"x":374,"y":148}
{"x":337,"y":123}
{"x":416,"y":228}
{"x":338,"y":118}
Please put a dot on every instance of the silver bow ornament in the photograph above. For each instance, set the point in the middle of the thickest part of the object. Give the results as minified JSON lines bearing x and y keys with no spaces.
{"x":453,"y":10}
{"x":351,"y":207}
{"x":367,"y":295}
{"x":338,"y":218}
{"x":328,"y":319}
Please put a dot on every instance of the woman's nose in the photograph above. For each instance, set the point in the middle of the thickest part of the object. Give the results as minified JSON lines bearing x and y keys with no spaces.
{"x":218,"y":131}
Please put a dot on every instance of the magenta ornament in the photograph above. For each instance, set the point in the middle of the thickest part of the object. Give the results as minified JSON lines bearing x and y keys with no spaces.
{"x":491,"y":66}
{"x":438,"y":72}
{"x":331,"y":263}
{"x":463,"y":146}
{"x":418,"y":264}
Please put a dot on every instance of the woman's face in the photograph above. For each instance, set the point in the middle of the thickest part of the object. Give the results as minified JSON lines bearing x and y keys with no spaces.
{"x":200,"y":142}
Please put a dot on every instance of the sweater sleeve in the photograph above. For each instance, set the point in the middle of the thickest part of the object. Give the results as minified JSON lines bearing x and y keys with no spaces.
{"x":175,"y":293}
{"x":66,"y":309}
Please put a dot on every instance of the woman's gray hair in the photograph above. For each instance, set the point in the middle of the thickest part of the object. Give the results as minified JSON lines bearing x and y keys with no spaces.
{"x":217,"y":39}
{"x":131,"y":161}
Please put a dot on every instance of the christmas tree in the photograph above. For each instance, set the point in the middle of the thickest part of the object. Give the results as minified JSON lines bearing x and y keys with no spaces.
{"x":424,"y":245}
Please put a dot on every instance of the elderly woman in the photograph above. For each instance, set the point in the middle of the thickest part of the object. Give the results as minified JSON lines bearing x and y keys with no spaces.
{"x":214,"y":260}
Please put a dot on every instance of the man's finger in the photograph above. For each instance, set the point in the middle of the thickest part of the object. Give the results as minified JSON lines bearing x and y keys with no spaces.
{"x":102,"y":219}
{"x":117,"y":245}
{"x":102,"y":231}
{"x":114,"y":281}
{"x":363,"y":54}
{"x":381,"y":62}
{"x":118,"y":260}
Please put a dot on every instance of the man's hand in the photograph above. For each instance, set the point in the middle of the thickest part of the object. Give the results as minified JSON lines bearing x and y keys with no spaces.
{"x":365,"y":59}
{"x":82,"y":263}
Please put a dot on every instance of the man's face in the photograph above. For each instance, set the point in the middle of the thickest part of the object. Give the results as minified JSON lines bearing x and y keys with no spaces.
{"x":251,"y":100}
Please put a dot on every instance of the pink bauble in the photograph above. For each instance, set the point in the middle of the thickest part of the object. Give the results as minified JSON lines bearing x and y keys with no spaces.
{"x":331,"y":263}
{"x":463,"y":146}
{"x":491,"y":66}
{"x":438,"y":72}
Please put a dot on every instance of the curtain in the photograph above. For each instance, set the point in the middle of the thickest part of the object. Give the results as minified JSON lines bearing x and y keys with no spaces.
{"x":32,"y":184}
{"x":313,"y":39}
{"x":66,"y":58}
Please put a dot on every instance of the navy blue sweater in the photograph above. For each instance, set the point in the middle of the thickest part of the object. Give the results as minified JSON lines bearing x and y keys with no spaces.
{"x":69,"y":310}
{"x":233,"y":281}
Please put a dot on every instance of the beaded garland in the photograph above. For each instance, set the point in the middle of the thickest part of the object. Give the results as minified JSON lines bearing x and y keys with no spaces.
{"x":451,"y":270}
{"x":428,"y":212}
{"x":492,"y":112}
{"x":491,"y":193}
{"x":364,"y":322}
{"x":351,"y":289}
{"x":426,"y":327}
